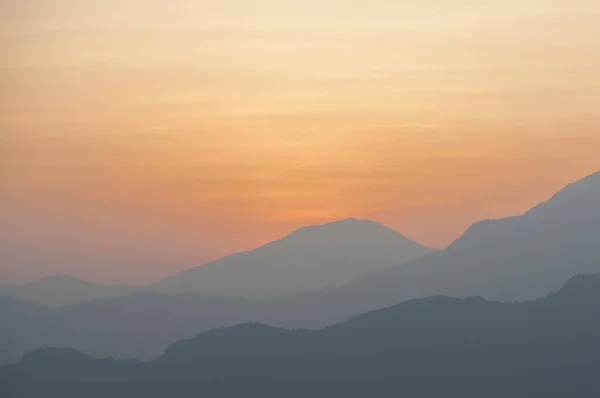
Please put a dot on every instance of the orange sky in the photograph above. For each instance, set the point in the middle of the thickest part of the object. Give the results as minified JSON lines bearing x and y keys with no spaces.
{"x":139,"y":138}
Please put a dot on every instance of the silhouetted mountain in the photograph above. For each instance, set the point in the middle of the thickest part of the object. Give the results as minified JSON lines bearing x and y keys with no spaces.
{"x":516,"y":258}
{"x":432,"y":324}
{"x":552,"y":345}
{"x":56,"y":291}
{"x":20,"y":325}
{"x":139,"y":325}
{"x":309,"y":258}
{"x":512,"y":259}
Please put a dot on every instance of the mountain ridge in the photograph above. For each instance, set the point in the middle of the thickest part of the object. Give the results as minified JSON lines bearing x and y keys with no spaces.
{"x":434,"y":339}
{"x":59,"y":290}
{"x":552,"y":241}
{"x":308,"y":258}
{"x":533,"y":260}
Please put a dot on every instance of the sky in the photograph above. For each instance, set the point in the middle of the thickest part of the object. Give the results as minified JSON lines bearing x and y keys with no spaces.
{"x":140,"y":138}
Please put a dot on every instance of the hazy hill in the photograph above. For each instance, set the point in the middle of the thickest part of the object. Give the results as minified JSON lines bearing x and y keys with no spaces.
{"x":516,"y":258}
{"x":410,"y":331}
{"x":56,"y":291}
{"x":139,"y":325}
{"x":549,"y":346}
{"x":513,"y":259}
{"x":20,"y":324}
{"x":310,"y":258}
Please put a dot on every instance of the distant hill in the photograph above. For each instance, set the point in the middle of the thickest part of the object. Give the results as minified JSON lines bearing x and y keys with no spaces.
{"x":139,"y":325}
{"x":57,"y":291}
{"x":409,"y":332}
{"x":549,"y":347}
{"x":516,"y":258}
{"x":310,"y":258}
{"x":20,"y":325}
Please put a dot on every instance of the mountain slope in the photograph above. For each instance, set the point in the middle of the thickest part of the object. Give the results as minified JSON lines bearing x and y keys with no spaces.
{"x":309,"y":258}
{"x":517,"y":258}
{"x":57,"y":291}
{"x":564,"y":316}
{"x":512,"y":259}
{"x":553,"y":341}
{"x":139,"y":325}
{"x":20,"y":323}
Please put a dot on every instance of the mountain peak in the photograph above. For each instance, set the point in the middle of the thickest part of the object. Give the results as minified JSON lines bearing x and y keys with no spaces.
{"x":47,"y":355}
{"x":311,"y":257}
{"x":59,"y":279}
{"x":59,"y":290}
{"x":344,"y":229}
{"x":352,"y":220}
{"x":349,"y":222}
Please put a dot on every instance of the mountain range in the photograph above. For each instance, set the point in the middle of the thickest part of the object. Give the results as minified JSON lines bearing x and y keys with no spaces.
{"x":548,"y":346}
{"x":310,"y":258}
{"x":514,"y":259}
{"x":58,"y":291}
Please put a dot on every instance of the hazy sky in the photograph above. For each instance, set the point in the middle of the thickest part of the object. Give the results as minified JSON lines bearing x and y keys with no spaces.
{"x":141,"y":137}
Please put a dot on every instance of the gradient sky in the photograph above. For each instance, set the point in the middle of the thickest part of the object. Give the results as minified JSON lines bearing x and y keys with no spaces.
{"x":139,"y":138}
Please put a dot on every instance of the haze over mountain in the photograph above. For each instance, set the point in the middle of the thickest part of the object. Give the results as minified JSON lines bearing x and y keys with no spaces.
{"x":310,"y":258}
{"x":419,"y":328}
{"x":187,"y":189}
{"x":22,"y":325}
{"x":551,"y":345}
{"x":57,"y":291}
{"x":139,"y":325}
{"x":510,"y":259}
{"x":516,"y":258}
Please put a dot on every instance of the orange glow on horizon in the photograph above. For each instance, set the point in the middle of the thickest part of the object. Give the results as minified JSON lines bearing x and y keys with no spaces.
{"x":204,"y":127}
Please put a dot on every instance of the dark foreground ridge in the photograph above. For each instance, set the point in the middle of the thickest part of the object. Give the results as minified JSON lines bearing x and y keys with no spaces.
{"x":515,"y":259}
{"x":438,"y":345}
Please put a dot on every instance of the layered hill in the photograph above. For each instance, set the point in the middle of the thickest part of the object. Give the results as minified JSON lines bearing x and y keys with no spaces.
{"x":310,"y":258}
{"x":514,"y":259}
{"x":57,"y":291}
{"x":549,"y":346}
